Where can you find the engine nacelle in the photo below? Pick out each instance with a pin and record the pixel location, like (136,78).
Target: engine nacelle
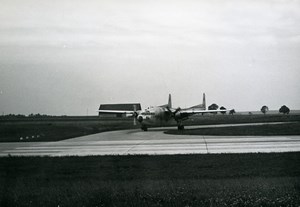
(181,116)
(140,119)
(177,115)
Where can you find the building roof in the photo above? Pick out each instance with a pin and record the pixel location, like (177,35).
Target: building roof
(121,107)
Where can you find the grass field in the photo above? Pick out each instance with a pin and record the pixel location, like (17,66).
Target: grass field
(179,180)
(59,128)
(260,130)
(54,129)
(237,119)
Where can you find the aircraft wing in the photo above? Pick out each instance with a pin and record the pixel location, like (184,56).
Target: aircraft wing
(192,111)
(116,111)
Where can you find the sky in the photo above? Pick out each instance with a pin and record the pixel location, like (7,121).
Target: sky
(66,57)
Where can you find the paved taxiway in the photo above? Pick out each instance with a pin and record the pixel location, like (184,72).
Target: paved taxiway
(153,141)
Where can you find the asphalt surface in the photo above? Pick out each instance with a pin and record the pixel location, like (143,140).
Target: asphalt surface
(152,142)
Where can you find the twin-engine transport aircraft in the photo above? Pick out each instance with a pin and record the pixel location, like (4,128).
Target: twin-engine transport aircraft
(160,115)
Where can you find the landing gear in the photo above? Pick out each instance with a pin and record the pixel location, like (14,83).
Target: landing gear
(180,127)
(144,128)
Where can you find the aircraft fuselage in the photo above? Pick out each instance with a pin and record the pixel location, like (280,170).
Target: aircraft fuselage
(161,115)
(153,116)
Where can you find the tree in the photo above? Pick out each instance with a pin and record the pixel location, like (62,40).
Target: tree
(264,109)
(223,108)
(284,109)
(213,107)
(232,111)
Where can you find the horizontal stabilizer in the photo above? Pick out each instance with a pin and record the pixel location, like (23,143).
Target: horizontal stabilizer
(200,106)
(169,105)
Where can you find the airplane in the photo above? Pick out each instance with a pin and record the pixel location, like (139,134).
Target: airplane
(160,115)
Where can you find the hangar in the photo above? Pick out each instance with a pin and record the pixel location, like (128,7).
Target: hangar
(118,107)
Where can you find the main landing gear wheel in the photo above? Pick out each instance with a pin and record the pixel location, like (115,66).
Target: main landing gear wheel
(180,127)
(144,128)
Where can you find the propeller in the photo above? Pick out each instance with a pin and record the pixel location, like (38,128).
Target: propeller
(178,109)
(135,114)
(173,113)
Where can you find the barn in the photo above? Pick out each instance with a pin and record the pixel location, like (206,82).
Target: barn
(118,107)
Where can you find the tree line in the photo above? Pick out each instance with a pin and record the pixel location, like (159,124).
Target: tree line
(264,109)
(283,109)
(23,116)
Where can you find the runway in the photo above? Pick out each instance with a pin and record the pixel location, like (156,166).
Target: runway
(152,142)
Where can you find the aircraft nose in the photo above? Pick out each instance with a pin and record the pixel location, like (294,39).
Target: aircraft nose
(140,119)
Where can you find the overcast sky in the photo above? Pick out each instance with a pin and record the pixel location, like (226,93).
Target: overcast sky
(66,56)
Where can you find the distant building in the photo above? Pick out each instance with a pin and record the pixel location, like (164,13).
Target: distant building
(118,107)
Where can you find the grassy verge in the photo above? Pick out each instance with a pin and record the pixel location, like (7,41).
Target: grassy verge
(180,180)
(58,129)
(260,130)
(237,119)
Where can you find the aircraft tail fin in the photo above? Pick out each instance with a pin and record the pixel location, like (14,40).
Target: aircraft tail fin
(169,104)
(170,101)
(204,101)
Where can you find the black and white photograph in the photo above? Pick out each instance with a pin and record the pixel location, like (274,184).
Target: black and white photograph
(149,103)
